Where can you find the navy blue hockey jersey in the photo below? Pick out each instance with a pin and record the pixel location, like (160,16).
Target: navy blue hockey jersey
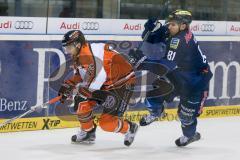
(184,57)
(185,51)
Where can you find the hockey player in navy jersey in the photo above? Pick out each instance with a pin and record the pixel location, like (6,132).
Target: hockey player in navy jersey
(188,71)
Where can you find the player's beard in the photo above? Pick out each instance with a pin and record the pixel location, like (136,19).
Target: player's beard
(75,55)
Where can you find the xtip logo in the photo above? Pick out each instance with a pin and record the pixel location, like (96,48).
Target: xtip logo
(48,123)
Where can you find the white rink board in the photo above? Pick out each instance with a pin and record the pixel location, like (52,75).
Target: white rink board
(23,25)
(104,37)
(220,141)
(100,26)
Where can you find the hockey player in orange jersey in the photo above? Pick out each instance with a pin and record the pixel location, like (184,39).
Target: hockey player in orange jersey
(98,68)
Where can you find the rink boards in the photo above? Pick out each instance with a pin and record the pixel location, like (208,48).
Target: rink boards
(46,123)
(27,62)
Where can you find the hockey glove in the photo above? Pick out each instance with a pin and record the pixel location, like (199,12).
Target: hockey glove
(65,91)
(153,25)
(150,24)
(136,57)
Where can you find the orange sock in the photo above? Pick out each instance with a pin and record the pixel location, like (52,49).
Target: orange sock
(87,126)
(112,123)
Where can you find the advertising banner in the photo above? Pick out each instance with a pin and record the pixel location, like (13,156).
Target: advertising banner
(233,28)
(71,121)
(97,26)
(124,26)
(93,26)
(23,25)
(208,27)
(30,74)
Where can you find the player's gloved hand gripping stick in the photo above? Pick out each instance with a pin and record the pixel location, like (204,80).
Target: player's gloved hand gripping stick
(136,57)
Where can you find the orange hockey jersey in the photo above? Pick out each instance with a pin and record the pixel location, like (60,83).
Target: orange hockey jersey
(98,68)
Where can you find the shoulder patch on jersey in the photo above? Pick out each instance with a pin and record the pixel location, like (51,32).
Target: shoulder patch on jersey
(174,43)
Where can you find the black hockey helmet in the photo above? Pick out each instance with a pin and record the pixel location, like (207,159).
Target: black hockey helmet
(73,37)
(181,16)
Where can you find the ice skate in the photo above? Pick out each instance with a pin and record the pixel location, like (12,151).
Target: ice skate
(183,141)
(148,119)
(130,135)
(85,137)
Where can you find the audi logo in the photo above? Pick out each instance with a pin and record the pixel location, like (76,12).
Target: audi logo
(90,26)
(23,25)
(207,27)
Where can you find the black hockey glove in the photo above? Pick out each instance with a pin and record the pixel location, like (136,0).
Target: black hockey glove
(136,57)
(150,24)
(65,91)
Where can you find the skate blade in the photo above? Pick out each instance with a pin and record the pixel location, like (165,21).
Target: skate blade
(84,142)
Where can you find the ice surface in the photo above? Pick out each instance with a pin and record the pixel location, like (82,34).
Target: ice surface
(220,141)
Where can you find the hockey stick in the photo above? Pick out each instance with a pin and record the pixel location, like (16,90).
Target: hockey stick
(33,108)
(121,81)
(158,25)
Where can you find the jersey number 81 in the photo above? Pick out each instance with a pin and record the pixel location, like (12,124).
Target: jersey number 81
(171,55)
